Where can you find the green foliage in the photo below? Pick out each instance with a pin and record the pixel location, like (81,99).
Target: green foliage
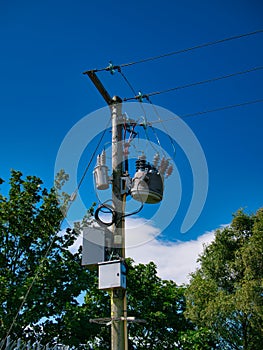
(40,281)
(39,276)
(73,326)
(161,303)
(225,294)
(197,339)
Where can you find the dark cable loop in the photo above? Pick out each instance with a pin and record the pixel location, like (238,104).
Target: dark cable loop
(110,209)
(113,213)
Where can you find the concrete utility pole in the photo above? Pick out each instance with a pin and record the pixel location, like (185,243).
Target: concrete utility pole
(119,335)
(118,296)
(112,267)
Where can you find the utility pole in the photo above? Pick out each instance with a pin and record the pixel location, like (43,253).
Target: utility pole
(146,187)
(118,296)
(119,336)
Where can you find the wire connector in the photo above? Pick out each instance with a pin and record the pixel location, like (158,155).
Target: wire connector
(140,96)
(111,68)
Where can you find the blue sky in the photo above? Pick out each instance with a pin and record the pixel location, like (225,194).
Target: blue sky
(46,45)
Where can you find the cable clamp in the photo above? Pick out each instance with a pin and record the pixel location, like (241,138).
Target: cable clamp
(140,96)
(111,68)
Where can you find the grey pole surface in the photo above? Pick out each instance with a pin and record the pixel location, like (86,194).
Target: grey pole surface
(118,296)
(119,334)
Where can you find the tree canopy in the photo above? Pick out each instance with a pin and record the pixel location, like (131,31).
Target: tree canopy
(159,303)
(41,281)
(39,276)
(225,293)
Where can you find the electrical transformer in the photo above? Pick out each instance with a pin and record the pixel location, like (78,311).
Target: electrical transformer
(147,183)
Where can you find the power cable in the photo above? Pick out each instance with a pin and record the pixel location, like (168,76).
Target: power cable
(109,209)
(143,110)
(93,155)
(192,48)
(164,126)
(39,268)
(40,265)
(209,111)
(132,89)
(127,81)
(193,84)
(106,209)
(145,118)
(200,46)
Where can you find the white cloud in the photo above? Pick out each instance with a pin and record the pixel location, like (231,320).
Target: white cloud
(74,248)
(174,261)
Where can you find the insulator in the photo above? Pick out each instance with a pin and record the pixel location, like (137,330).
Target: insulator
(164,165)
(73,196)
(103,158)
(98,159)
(156,159)
(169,170)
(142,157)
(141,162)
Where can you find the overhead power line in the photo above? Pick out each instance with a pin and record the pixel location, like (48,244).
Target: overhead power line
(211,43)
(208,111)
(141,96)
(177,52)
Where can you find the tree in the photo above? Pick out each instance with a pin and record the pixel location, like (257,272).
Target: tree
(197,339)
(225,293)
(39,276)
(159,302)
(40,281)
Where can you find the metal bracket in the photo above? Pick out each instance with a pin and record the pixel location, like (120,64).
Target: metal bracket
(125,184)
(108,321)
